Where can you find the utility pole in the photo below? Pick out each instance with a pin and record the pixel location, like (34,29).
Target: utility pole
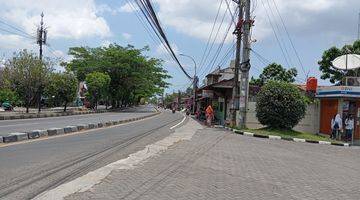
(236,89)
(41,40)
(245,65)
(358,34)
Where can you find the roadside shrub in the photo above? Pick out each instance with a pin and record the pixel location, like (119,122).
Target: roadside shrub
(8,95)
(280,105)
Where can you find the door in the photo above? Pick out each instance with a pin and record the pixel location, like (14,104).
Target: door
(328,109)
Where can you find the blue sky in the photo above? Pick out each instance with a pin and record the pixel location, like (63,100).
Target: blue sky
(314,25)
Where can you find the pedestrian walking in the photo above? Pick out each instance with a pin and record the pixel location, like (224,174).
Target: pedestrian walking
(349,127)
(209,112)
(336,125)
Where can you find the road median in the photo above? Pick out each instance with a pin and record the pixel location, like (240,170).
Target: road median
(35,134)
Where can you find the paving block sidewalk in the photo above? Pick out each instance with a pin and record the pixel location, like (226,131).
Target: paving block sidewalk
(218,164)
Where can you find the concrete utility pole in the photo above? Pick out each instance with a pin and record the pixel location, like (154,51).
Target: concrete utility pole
(245,65)
(236,89)
(41,36)
(358,34)
(41,40)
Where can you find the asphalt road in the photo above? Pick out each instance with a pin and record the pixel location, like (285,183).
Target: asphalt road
(30,168)
(23,125)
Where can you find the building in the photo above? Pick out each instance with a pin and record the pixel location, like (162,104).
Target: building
(217,91)
(343,100)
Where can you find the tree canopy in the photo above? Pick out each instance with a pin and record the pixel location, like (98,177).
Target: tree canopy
(274,72)
(62,88)
(334,75)
(26,74)
(133,75)
(98,86)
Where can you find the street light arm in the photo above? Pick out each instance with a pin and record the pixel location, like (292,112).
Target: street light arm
(191,59)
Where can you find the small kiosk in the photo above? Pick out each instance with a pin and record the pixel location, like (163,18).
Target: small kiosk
(343,99)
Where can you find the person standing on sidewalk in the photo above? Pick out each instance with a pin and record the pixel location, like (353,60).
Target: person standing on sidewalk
(349,127)
(209,115)
(336,125)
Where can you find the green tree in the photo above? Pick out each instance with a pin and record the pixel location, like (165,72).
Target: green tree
(62,88)
(133,75)
(280,105)
(334,75)
(27,75)
(98,86)
(274,72)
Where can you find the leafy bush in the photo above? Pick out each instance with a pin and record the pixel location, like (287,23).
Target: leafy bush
(280,105)
(8,95)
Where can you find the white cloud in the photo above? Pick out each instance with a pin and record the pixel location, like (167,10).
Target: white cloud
(127,36)
(128,8)
(308,17)
(161,50)
(15,42)
(64,19)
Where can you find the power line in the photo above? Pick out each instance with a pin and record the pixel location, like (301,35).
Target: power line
(149,13)
(211,32)
(280,35)
(232,16)
(213,61)
(146,27)
(288,35)
(275,34)
(227,54)
(18,29)
(14,33)
(266,62)
(213,42)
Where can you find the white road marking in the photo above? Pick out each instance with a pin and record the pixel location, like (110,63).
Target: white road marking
(90,179)
(176,125)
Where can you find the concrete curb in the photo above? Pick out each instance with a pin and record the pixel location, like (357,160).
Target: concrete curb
(44,115)
(55,131)
(70,129)
(37,133)
(275,137)
(34,134)
(20,136)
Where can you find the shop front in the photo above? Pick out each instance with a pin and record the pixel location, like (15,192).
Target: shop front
(343,100)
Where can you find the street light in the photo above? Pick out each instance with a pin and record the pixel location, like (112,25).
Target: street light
(194,81)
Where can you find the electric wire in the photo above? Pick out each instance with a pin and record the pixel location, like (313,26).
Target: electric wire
(279,34)
(18,29)
(211,32)
(275,34)
(220,46)
(290,39)
(14,33)
(147,28)
(213,42)
(149,13)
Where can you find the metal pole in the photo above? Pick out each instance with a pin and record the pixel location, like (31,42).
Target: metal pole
(195,80)
(245,65)
(236,90)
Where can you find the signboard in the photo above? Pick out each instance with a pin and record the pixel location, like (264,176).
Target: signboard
(208,93)
(338,91)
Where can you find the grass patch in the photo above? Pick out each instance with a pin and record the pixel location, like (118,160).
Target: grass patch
(291,134)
